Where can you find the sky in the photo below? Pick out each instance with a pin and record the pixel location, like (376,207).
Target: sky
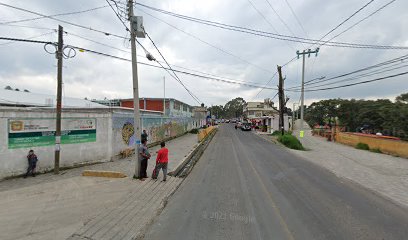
(235,56)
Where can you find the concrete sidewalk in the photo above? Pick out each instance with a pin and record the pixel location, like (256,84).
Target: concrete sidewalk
(382,173)
(57,206)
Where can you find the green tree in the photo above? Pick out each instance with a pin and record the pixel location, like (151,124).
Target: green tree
(234,108)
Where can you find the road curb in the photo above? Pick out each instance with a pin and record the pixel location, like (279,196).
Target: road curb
(199,148)
(107,174)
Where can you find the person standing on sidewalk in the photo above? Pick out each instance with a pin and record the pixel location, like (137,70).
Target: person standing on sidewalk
(144,135)
(162,161)
(143,155)
(32,163)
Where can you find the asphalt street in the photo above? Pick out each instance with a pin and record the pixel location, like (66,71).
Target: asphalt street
(245,187)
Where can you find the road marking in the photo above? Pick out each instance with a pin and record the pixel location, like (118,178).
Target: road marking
(274,206)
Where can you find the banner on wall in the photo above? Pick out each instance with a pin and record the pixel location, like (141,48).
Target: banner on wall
(25,133)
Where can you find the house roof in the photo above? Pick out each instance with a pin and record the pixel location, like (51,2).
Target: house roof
(20,98)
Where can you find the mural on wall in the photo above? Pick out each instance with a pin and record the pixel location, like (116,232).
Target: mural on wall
(128,132)
(158,128)
(35,132)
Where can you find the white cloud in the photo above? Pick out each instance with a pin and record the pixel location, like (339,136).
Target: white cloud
(94,76)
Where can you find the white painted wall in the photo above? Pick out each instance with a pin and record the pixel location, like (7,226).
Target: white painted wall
(14,162)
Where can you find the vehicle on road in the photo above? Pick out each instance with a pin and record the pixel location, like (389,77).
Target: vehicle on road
(246,127)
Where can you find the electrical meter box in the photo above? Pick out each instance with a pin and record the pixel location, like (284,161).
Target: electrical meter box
(137,24)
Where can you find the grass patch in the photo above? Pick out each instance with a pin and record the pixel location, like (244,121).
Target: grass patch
(376,150)
(362,146)
(279,133)
(291,142)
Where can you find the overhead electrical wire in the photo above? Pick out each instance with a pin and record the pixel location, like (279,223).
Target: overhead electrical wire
(69,33)
(297,19)
(358,83)
(175,75)
(391,61)
(81,49)
(268,34)
(207,43)
(26,39)
(266,20)
(363,19)
(63,21)
(347,19)
(54,15)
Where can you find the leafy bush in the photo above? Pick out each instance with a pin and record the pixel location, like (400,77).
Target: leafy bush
(362,146)
(376,150)
(290,141)
(194,131)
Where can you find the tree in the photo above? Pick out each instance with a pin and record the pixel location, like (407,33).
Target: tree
(234,108)
(403,98)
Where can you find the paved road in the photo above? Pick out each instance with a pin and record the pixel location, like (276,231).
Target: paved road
(244,187)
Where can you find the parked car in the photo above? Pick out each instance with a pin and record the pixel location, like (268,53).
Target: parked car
(227,121)
(246,127)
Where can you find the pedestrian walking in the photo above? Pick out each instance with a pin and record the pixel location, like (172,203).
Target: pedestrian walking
(143,156)
(32,163)
(144,135)
(162,161)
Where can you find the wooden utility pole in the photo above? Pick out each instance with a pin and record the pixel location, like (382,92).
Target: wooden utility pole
(59,56)
(281,101)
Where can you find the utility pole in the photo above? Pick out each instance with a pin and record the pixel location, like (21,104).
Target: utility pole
(308,52)
(164,95)
(136,106)
(59,56)
(281,101)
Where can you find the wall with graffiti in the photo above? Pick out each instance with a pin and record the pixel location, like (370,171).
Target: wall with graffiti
(157,128)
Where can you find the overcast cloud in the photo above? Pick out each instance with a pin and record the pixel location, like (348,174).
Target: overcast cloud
(28,66)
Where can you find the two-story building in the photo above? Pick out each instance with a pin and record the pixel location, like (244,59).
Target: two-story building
(169,106)
(257,110)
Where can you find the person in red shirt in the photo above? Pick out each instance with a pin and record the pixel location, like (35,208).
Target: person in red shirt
(161,161)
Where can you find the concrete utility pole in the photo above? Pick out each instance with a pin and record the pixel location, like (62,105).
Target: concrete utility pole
(308,52)
(136,107)
(281,101)
(59,56)
(164,95)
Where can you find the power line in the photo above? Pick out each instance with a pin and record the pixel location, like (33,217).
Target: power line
(388,62)
(359,76)
(348,18)
(178,71)
(266,20)
(25,26)
(205,42)
(63,21)
(363,19)
(29,38)
(55,15)
(117,15)
(280,18)
(125,51)
(175,75)
(25,40)
(269,34)
(297,19)
(358,83)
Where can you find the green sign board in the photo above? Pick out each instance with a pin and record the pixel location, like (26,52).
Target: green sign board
(26,133)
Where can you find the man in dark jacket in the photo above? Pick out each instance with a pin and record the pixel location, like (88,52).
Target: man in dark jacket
(32,163)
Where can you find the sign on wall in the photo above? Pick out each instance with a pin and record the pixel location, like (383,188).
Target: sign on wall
(25,133)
